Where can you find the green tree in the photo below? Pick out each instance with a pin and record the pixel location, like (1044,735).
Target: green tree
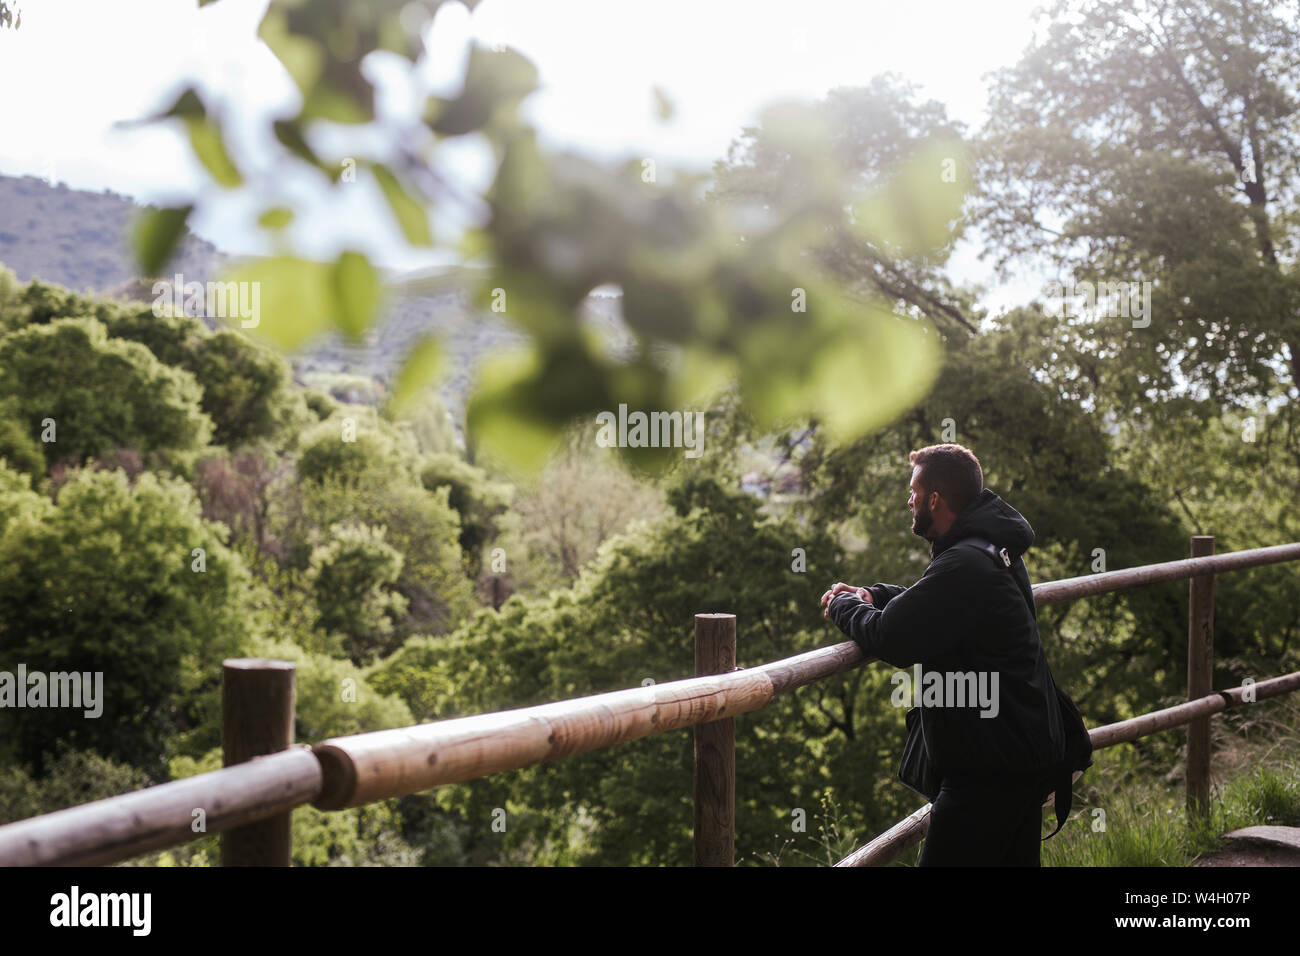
(321,404)
(1152,142)
(17,497)
(428,422)
(244,385)
(378,489)
(71,778)
(245,388)
(351,578)
(18,446)
(10,291)
(478,500)
(628,619)
(351,444)
(562,516)
(100,393)
(879,132)
(128,582)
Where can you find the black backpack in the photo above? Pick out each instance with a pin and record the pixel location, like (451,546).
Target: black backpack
(1058,780)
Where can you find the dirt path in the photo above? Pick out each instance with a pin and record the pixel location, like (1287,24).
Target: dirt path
(1257,846)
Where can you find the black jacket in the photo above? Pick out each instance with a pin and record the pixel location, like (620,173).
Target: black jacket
(969,613)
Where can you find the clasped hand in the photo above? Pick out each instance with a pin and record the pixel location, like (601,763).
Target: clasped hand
(840,588)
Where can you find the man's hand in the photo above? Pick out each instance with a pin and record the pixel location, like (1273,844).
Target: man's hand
(840,588)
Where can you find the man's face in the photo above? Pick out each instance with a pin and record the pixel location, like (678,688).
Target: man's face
(919,502)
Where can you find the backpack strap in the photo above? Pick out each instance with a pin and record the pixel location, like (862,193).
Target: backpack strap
(1063,799)
(1002,558)
(999,556)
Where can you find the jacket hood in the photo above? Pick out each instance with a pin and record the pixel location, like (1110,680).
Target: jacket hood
(991,518)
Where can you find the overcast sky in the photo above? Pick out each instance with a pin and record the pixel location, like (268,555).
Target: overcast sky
(76,67)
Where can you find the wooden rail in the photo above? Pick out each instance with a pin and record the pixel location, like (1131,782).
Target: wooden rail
(257,708)
(715,749)
(120,828)
(362,768)
(909,831)
(372,766)
(1070,589)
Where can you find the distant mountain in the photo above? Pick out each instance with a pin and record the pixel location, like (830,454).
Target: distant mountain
(79,239)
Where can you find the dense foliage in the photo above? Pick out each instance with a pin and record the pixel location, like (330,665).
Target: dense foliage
(170,496)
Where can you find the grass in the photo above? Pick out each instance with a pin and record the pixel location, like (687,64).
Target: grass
(832,842)
(1150,826)
(1128,812)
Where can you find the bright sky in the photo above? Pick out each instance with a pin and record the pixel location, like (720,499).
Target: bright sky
(78,66)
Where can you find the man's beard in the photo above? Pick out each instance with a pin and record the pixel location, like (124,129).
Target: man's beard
(923,520)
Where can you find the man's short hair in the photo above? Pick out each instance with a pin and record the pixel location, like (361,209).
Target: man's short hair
(951,470)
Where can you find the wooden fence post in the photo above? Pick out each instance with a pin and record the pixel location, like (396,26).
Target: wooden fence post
(1200,676)
(715,749)
(257,709)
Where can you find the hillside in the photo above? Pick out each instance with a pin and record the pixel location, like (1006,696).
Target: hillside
(78,239)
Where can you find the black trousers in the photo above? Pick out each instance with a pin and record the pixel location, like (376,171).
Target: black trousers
(984,821)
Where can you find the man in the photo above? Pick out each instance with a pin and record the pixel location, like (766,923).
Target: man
(969,614)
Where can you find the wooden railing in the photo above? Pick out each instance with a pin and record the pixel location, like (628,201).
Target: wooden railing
(250,801)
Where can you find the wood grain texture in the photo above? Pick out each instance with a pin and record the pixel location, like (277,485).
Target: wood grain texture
(1200,678)
(119,828)
(1070,589)
(257,711)
(714,789)
(388,763)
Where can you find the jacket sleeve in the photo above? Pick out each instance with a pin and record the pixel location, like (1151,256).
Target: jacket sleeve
(919,623)
(882,594)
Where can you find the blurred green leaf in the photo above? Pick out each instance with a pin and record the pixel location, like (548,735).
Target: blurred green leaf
(297,299)
(500,419)
(329,102)
(186,106)
(422,365)
(492,79)
(356,293)
(410,215)
(156,236)
(805,136)
(700,374)
(393,35)
(277,217)
(402,27)
(861,382)
(205,138)
(663,105)
(915,210)
(301,57)
(707,297)
(522,185)
(474,244)
(290,135)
